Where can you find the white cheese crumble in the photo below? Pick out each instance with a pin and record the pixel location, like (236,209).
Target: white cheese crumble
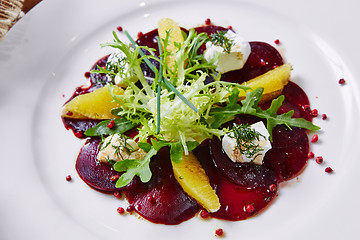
(119,58)
(117,148)
(230,145)
(224,61)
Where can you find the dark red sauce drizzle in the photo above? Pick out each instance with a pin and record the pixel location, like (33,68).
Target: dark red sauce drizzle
(240,187)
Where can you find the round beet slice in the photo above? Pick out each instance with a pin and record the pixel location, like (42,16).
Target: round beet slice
(96,175)
(288,162)
(161,200)
(297,100)
(209,29)
(237,202)
(263,57)
(79,126)
(247,175)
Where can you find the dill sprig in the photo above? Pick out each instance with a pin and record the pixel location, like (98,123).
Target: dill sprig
(221,40)
(247,139)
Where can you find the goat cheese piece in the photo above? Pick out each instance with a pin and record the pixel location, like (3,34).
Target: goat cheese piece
(117,148)
(224,61)
(118,58)
(230,146)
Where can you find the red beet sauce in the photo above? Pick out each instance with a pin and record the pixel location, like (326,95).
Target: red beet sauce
(243,189)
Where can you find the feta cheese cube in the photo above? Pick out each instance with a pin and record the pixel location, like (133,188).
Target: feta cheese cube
(224,61)
(230,146)
(116,148)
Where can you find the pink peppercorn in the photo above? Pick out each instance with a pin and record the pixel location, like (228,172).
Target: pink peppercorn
(120,210)
(68,178)
(114,178)
(219,232)
(249,208)
(120,29)
(306,107)
(111,124)
(329,170)
(324,116)
(152,200)
(314,113)
(130,208)
(342,81)
(319,160)
(208,21)
(314,138)
(204,214)
(311,155)
(277,41)
(117,194)
(272,188)
(87,74)
(79,134)
(138,207)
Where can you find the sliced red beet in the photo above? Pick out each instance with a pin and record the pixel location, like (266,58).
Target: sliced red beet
(209,29)
(162,199)
(96,175)
(79,125)
(247,175)
(288,156)
(234,198)
(296,99)
(149,39)
(288,162)
(263,57)
(284,137)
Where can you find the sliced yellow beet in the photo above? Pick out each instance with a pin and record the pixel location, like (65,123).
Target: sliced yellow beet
(194,181)
(175,36)
(93,105)
(272,81)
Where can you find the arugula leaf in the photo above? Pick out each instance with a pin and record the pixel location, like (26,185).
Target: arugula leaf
(141,168)
(145,146)
(134,167)
(121,125)
(176,148)
(224,114)
(249,106)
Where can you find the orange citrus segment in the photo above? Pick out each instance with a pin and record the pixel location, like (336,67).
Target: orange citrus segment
(93,105)
(194,181)
(168,25)
(272,81)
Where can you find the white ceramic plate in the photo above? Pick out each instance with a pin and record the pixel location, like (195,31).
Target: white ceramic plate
(43,58)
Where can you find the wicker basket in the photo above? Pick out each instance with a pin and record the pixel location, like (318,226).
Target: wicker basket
(10,12)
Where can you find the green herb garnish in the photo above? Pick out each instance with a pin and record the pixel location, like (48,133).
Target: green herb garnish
(221,40)
(250,106)
(247,139)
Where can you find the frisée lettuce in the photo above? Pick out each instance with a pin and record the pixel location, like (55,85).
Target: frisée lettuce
(181,106)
